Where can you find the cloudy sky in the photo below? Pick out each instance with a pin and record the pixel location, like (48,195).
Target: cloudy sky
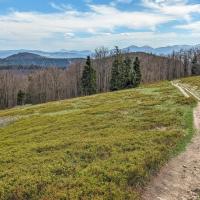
(87,24)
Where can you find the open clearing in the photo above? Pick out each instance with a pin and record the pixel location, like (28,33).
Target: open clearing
(180,178)
(105,146)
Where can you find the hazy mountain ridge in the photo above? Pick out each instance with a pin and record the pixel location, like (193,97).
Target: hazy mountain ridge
(57,54)
(160,50)
(29,59)
(83,54)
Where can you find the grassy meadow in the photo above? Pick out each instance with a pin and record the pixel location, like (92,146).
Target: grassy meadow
(193,84)
(101,147)
(193,81)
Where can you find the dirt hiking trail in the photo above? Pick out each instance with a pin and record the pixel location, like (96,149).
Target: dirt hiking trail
(180,178)
(5,121)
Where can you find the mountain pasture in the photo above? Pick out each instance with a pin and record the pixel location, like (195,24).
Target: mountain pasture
(104,146)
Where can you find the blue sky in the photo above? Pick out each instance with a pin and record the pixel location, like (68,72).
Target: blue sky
(88,24)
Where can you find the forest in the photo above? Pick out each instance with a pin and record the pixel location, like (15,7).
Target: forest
(40,85)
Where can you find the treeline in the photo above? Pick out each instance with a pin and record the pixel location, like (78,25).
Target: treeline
(190,59)
(20,67)
(10,84)
(111,70)
(124,74)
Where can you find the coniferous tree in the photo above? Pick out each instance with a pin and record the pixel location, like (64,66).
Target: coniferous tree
(88,80)
(21,97)
(194,61)
(124,74)
(195,66)
(121,78)
(127,73)
(116,79)
(138,75)
(114,82)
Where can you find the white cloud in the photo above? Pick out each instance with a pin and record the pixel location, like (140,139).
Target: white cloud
(115,2)
(108,39)
(176,8)
(127,39)
(101,18)
(192,27)
(61,7)
(100,22)
(138,38)
(69,35)
(124,1)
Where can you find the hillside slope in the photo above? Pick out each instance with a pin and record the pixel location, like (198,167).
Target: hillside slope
(99,147)
(192,81)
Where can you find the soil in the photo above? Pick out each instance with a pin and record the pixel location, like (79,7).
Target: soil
(6,121)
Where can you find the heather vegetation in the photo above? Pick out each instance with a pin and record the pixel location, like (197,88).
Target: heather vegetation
(193,81)
(104,146)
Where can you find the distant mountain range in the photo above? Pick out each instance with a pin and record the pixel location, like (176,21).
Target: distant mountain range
(30,60)
(160,50)
(57,54)
(83,54)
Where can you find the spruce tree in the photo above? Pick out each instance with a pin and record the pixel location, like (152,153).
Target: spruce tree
(116,78)
(127,73)
(114,82)
(194,60)
(195,66)
(138,75)
(88,80)
(21,97)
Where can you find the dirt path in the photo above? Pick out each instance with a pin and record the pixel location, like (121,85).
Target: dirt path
(180,178)
(5,121)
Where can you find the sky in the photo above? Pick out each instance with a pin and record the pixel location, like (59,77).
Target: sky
(87,24)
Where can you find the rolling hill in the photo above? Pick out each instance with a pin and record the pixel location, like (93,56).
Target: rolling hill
(56,54)
(105,146)
(29,59)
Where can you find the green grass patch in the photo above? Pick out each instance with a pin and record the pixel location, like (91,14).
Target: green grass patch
(193,81)
(105,146)
(190,131)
